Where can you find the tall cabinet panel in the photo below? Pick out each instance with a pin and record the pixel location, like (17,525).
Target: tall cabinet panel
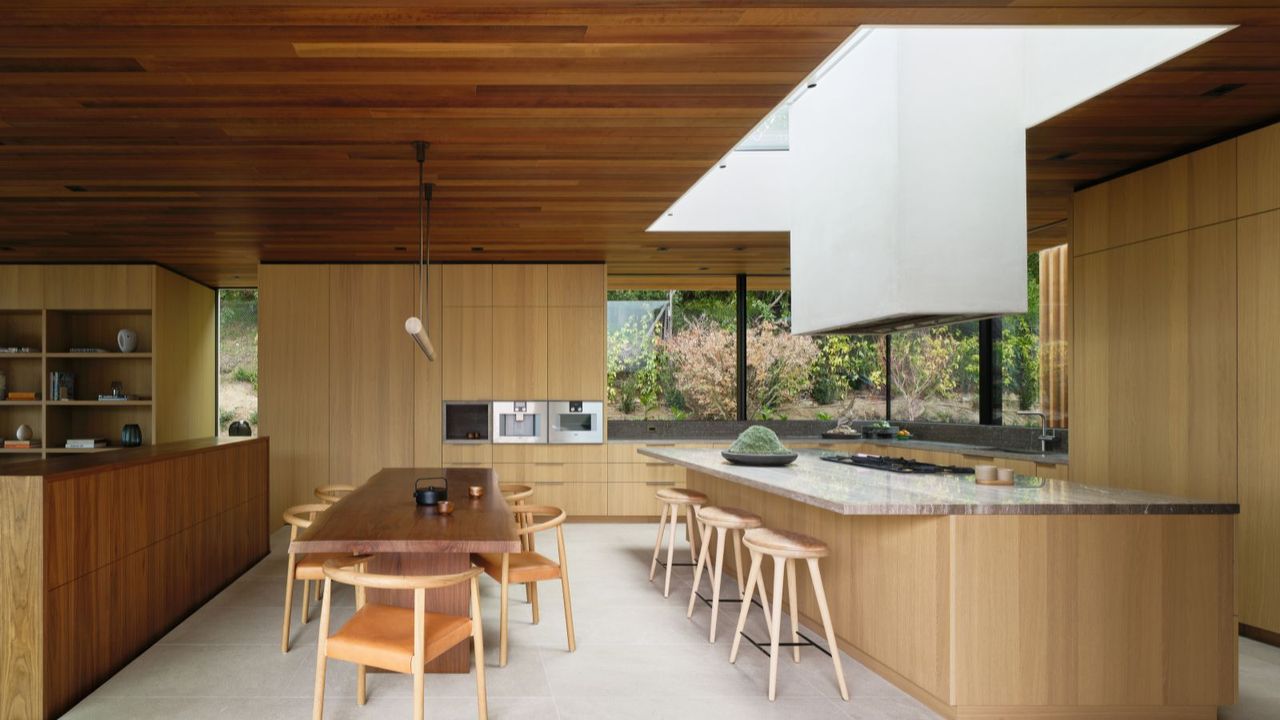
(576,341)
(371,370)
(186,358)
(293,394)
(467,354)
(1259,296)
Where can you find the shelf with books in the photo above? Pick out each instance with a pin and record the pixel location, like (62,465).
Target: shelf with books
(21,403)
(67,329)
(22,329)
(98,355)
(67,450)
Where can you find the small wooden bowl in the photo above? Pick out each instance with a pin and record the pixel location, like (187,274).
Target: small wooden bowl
(476,491)
(444,507)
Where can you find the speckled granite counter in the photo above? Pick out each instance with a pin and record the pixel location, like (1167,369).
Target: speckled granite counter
(850,490)
(885,446)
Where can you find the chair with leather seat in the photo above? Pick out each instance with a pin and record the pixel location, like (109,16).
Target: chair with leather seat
(785,548)
(307,568)
(675,501)
(516,495)
(528,566)
(396,639)
(331,494)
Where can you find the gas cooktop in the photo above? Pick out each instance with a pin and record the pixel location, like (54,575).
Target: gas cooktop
(898,465)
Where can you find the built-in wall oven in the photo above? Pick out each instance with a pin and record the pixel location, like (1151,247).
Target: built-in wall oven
(519,421)
(466,422)
(576,421)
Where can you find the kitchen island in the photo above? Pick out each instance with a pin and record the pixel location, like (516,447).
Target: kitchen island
(1048,599)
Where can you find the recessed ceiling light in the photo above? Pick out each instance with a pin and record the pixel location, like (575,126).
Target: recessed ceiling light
(1064,155)
(740,248)
(723,167)
(1223,89)
(670,214)
(661,249)
(76,188)
(811,86)
(477,248)
(5,248)
(703,269)
(401,248)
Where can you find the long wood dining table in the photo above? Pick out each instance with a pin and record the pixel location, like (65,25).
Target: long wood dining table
(382,518)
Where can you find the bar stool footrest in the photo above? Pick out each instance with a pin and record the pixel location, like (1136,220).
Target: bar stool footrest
(805,641)
(676,564)
(707,601)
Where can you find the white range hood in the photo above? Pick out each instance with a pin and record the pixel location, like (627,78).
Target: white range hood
(905,173)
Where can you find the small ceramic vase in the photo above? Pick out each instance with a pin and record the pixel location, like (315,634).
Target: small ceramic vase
(24,432)
(127,340)
(131,435)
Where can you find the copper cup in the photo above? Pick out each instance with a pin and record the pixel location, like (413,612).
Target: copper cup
(444,507)
(476,491)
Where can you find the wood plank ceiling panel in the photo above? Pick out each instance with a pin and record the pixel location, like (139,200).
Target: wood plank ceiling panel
(210,135)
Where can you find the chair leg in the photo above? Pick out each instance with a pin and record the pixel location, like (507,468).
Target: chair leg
(815,576)
(288,607)
(779,566)
(317,709)
(715,583)
(753,581)
(688,523)
(671,552)
(737,559)
(306,601)
(502,611)
(791,607)
(361,696)
(657,545)
(419,689)
(704,531)
(537,617)
(477,637)
(568,613)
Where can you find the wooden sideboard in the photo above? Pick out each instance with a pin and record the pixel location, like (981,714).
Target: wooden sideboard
(101,555)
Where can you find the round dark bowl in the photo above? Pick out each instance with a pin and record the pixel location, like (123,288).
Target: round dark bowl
(758,459)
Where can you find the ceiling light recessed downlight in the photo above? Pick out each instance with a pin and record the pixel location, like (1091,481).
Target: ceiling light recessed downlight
(1222,89)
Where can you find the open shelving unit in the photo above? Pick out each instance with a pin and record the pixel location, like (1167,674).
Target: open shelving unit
(51,334)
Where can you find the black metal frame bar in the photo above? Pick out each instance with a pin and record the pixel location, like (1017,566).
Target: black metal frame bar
(741,332)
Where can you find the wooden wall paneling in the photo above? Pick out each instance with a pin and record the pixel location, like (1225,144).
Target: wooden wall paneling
(1259,171)
(184,359)
(109,287)
(1211,184)
(371,370)
(576,285)
(468,285)
(576,339)
(294,387)
(1054,333)
(1090,220)
(1259,343)
(520,353)
(428,379)
(21,287)
(22,603)
(468,455)
(519,285)
(1153,349)
(467,354)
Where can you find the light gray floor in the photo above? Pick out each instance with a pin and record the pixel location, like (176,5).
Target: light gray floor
(638,657)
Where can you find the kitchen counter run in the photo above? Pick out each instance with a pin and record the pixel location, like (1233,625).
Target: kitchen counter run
(850,490)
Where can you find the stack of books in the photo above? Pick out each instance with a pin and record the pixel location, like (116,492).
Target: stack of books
(21,444)
(86,443)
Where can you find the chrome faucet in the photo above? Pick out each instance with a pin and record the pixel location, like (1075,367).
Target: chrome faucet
(1047,434)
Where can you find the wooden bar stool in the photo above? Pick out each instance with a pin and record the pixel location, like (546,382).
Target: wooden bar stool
(307,568)
(785,548)
(333,493)
(731,521)
(395,638)
(674,501)
(530,567)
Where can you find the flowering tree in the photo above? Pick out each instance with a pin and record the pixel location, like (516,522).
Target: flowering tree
(702,357)
(922,366)
(778,368)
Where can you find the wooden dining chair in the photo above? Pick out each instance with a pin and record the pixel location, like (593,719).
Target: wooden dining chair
(528,566)
(331,494)
(395,638)
(516,495)
(307,568)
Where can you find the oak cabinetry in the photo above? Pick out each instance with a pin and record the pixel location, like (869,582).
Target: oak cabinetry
(576,285)
(467,455)
(22,287)
(519,285)
(576,340)
(1259,171)
(467,285)
(579,500)
(99,287)
(519,353)
(467,353)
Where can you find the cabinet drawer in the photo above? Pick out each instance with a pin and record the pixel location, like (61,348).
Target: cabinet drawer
(647,472)
(629,452)
(480,455)
(550,472)
(636,499)
(579,499)
(515,453)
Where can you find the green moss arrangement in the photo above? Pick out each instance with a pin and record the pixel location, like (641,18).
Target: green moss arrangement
(759,440)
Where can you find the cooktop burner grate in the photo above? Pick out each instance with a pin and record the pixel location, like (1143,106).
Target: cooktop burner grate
(898,465)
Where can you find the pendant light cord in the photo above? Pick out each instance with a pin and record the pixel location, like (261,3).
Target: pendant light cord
(424,218)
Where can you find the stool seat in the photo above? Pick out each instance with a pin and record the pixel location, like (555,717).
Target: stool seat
(729,518)
(784,543)
(681,496)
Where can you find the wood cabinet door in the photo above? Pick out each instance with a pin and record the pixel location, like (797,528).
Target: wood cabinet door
(98,287)
(467,286)
(520,353)
(576,499)
(519,285)
(467,353)
(576,285)
(576,347)
(21,287)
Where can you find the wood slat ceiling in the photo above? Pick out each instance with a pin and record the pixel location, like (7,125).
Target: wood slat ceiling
(209,134)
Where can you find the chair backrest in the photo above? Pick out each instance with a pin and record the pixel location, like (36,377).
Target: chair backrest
(300,517)
(529,512)
(515,493)
(339,570)
(333,493)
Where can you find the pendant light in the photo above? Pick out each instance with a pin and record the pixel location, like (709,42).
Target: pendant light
(416,325)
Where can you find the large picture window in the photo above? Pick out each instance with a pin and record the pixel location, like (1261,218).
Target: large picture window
(674,355)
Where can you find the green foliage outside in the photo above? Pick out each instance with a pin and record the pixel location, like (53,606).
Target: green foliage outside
(237,358)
